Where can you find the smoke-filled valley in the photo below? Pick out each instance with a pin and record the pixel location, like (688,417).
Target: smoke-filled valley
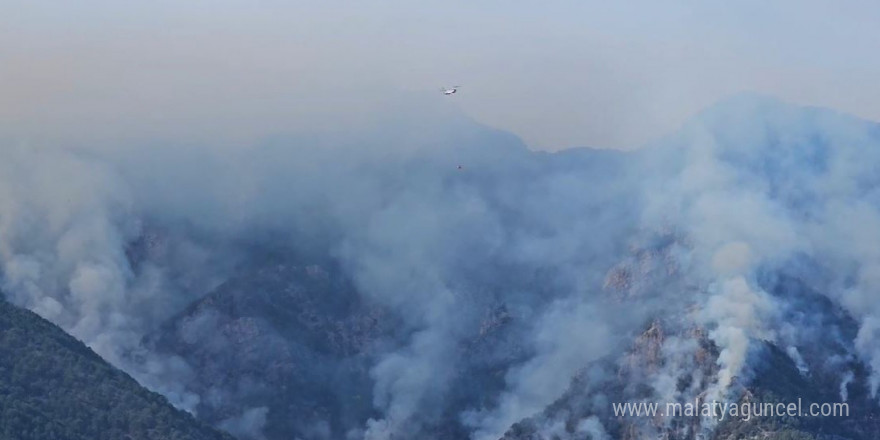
(429,277)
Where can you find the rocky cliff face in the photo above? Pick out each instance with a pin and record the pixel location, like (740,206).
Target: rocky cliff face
(292,341)
(824,371)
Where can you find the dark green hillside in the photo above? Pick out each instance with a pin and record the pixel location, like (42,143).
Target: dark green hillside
(54,387)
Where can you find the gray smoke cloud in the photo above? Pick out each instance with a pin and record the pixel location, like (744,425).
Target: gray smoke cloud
(752,185)
(390,203)
(568,336)
(747,185)
(760,183)
(249,425)
(67,223)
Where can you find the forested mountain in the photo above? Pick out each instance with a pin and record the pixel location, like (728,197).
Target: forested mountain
(54,387)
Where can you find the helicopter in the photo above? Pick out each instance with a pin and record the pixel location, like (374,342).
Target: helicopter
(450,90)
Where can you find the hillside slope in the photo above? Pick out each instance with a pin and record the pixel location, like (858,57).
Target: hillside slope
(54,387)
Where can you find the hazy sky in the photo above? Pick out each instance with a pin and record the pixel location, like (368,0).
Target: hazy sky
(557,73)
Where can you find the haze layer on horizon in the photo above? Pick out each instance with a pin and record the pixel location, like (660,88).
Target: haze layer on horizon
(558,74)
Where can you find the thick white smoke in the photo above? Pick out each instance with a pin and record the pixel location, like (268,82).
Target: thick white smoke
(748,185)
(754,185)
(65,222)
(759,183)
(391,204)
(569,336)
